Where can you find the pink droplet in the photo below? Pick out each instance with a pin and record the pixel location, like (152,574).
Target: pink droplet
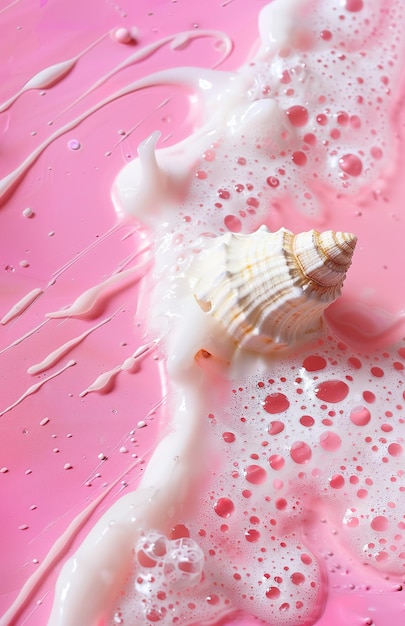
(307,420)
(337,481)
(299,157)
(224,507)
(223,194)
(314,363)
(379,523)
(360,416)
(272,181)
(351,164)
(330,441)
(342,118)
(272,593)
(326,35)
(297,578)
(209,155)
(276,403)
(395,449)
(306,559)
(378,372)
(355,121)
(252,535)
(255,474)
(376,153)
(300,452)
(179,531)
(228,437)
(276,461)
(354,5)
(281,504)
(355,362)
(352,522)
(233,223)
(332,391)
(275,427)
(369,396)
(310,139)
(297,115)
(322,119)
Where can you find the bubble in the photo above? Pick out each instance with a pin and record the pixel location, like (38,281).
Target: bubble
(179,531)
(233,223)
(276,461)
(252,535)
(123,35)
(212,599)
(353,5)
(223,194)
(369,396)
(209,155)
(74,144)
(297,115)
(276,403)
(351,164)
(326,35)
(314,363)
(273,593)
(332,391)
(183,564)
(272,181)
(322,119)
(275,427)
(360,416)
(307,420)
(281,504)
(255,474)
(300,452)
(297,578)
(337,481)
(306,559)
(224,507)
(330,441)
(155,614)
(395,449)
(150,549)
(299,158)
(379,523)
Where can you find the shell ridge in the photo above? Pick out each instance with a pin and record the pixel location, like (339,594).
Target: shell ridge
(269,290)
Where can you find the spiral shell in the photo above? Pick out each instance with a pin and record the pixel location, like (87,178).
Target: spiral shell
(269,290)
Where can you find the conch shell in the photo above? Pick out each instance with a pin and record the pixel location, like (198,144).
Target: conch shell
(269,290)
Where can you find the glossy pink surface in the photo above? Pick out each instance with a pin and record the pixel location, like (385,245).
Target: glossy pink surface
(59,449)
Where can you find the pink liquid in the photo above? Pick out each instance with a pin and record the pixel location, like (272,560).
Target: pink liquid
(59,448)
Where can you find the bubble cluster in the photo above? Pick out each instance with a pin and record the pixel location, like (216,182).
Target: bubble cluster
(249,544)
(167,572)
(315,123)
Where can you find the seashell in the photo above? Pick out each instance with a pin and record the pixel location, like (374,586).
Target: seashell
(269,290)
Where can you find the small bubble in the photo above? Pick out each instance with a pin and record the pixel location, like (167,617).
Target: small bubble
(74,144)
(123,35)
(351,164)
